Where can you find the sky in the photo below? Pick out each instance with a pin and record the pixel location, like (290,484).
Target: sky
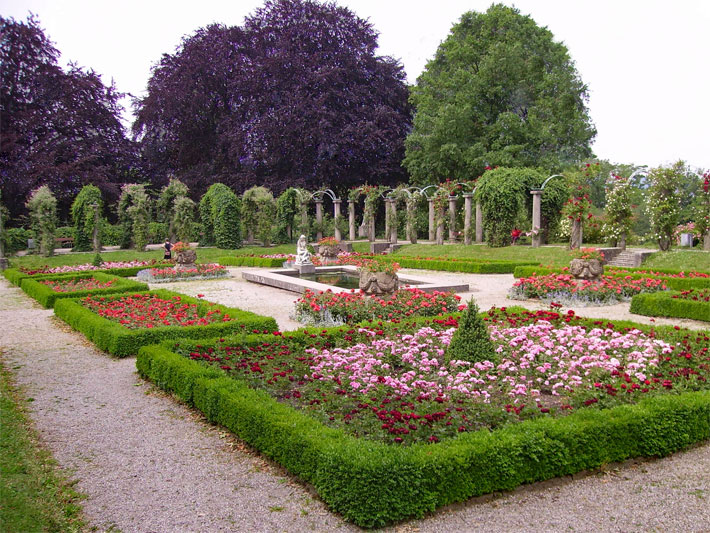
(645,62)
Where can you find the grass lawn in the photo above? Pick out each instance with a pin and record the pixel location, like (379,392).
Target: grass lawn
(34,496)
(556,256)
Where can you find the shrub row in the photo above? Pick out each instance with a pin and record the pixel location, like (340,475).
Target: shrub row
(46,296)
(474,267)
(678,284)
(372,484)
(118,340)
(663,304)
(15,276)
(248,260)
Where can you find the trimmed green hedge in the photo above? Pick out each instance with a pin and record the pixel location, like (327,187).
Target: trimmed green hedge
(373,484)
(246,260)
(678,284)
(663,304)
(118,340)
(16,276)
(46,296)
(470,266)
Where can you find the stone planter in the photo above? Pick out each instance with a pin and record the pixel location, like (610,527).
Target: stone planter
(185,260)
(590,269)
(329,252)
(378,282)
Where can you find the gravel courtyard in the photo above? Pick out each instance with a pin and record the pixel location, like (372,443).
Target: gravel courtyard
(149,464)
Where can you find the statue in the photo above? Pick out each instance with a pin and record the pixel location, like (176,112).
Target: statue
(303,256)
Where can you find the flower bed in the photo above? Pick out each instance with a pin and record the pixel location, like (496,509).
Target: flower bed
(566,289)
(693,304)
(48,289)
(122,324)
(201,271)
(352,307)
(280,393)
(116,268)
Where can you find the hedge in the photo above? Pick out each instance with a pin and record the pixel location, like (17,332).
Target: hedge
(46,296)
(663,304)
(678,284)
(15,276)
(249,260)
(373,484)
(118,340)
(470,266)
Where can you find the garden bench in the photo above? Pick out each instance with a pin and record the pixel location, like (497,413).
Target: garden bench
(64,242)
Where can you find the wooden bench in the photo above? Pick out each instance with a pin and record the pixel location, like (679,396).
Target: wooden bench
(64,242)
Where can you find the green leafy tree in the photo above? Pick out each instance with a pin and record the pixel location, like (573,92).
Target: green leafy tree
(663,203)
(619,211)
(134,216)
(287,212)
(500,91)
(166,205)
(220,213)
(258,213)
(183,220)
(83,213)
(471,341)
(42,206)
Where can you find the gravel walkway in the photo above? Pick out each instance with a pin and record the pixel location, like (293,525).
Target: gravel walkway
(148,464)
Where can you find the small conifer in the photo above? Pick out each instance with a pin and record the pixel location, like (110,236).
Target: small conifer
(471,341)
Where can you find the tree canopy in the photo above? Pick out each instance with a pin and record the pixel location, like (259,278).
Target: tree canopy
(58,128)
(499,92)
(294,97)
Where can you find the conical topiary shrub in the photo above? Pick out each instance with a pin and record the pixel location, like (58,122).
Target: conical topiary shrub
(471,341)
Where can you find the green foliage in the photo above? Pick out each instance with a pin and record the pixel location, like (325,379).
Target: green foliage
(415,480)
(112,337)
(220,214)
(258,213)
(111,234)
(98,260)
(248,260)
(471,341)
(183,221)
(472,265)
(663,304)
(42,205)
(83,213)
(15,239)
(287,212)
(664,202)
(176,210)
(134,216)
(618,209)
(702,206)
(157,231)
(500,91)
(47,297)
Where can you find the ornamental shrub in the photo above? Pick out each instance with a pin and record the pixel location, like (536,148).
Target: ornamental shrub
(134,216)
(471,341)
(174,195)
(42,205)
(618,210)
(83,214)
(183,221)
(258,213)
(220,214)
(663,204)
(287,211)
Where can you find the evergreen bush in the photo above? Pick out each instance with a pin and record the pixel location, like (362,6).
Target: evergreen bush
(42,205)
(220,213)
(84,217)
(471,341)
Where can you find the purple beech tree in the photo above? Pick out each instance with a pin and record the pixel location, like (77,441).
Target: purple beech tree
(295,97)
(57,128)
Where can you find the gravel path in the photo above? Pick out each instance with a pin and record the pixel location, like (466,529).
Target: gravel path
(148,464)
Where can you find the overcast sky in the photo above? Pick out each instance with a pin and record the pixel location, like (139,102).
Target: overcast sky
(646,62)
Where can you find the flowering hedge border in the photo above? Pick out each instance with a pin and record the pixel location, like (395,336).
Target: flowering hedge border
(47,297)
(15,276)
(678,284)
(120,341)
(246,260)
(663,304)
(373,484)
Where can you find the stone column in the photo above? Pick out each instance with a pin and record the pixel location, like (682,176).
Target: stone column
(440,227)
(467,218)
(95,236)
(336,218)
(452,218)
(319,219)
(351,220)
(479,223)
(431,219)
(536,237)
(388,206)
(393,227)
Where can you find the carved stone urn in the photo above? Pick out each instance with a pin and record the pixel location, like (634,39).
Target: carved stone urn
(186,259)
(590,269)
(328,252)
(376,283)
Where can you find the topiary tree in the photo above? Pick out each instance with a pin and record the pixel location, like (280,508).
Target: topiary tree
(471,341)
(42,205)
(619,211)
(258,213)
(287,211)
(663,204)
(183,220)
(134,216)
(220,214)
(83,213)
(165,205)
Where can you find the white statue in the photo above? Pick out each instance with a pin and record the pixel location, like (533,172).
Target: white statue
(303,256)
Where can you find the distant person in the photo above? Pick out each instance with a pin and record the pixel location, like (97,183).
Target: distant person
(515,235)
(168,249)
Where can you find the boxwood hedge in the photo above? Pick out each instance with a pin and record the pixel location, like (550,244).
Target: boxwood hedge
(118,340)
(663,304)
(46,296)
(249,260)
(373,484)
(15,276)
(470,266)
